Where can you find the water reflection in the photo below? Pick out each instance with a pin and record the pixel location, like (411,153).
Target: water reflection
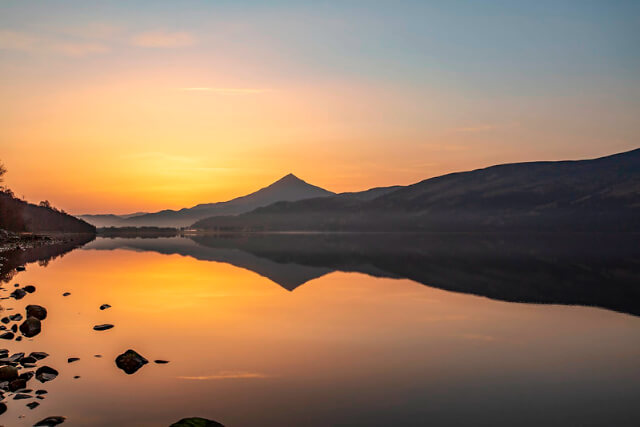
(600,270)
(344,349)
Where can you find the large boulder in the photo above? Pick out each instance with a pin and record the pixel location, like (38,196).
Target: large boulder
(36,311)
(46,373)
(8,373)
(30,327)
(130,361)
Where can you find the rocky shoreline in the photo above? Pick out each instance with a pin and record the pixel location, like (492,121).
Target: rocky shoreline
(11,241)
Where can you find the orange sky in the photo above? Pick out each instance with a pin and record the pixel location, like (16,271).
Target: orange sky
(104,111)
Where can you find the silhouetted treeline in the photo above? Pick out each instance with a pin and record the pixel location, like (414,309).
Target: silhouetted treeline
(20,216)
(144,232)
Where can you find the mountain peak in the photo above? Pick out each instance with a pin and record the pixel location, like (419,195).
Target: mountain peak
(289,179)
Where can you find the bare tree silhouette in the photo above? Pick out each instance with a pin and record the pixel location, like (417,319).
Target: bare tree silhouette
(3,170)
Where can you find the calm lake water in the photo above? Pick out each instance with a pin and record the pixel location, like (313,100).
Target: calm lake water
(340,331)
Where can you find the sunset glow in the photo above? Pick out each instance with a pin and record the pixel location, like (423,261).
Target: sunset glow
(133,107)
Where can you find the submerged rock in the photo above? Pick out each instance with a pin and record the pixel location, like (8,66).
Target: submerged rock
(196,422)
(30,288)
(161,362)
(21,396)
(39,392)
(27,359)
(30,327)
(7,336)
(103,327)
(38,355)
(3,408)
(66,294)
(37,311)
(16,317)
(130,361)
(32,405)
(50,422)
(104,306)
(20,268)
(8,373)
(17,384)
(18,294)
(5,319)
(46,373)
(72,359)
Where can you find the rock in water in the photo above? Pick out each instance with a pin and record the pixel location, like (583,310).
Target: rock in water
(130,361)
(46,373)
(104,306)
(16,317)
(38,355)
(17,384)
(102,327)
(18,294)
(66,294)
(50,422)
(3,408)
(20,268)
(30,327)
(72,359)
(37,311)
(30,288)
(22,396)
(8,373)
(161,362)
(196,422)
(33,405)
(7,336)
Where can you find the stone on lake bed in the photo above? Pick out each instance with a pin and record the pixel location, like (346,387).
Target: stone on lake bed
(104,306)
(103,327)
(161,362)
(46,373)
(5,319)
(33,405)
(30,288)
(72,359)
(130,361)
(39,392)
(50,422)
(21,396)
(37,311)
(14,328)
(17,384)
(18,294)
(66,294)
(7,336)
(16,317)
(196,422)
(3,408)
(8,373)
(20,268)
(30,327)
(38,355)
(28,359)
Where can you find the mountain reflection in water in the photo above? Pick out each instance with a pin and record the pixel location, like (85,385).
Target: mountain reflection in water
(592,269)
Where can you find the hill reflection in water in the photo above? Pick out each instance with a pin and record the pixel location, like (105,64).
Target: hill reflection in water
(593,269)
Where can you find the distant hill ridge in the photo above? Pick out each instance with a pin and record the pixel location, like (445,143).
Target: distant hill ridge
(581,195)
(287,188)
